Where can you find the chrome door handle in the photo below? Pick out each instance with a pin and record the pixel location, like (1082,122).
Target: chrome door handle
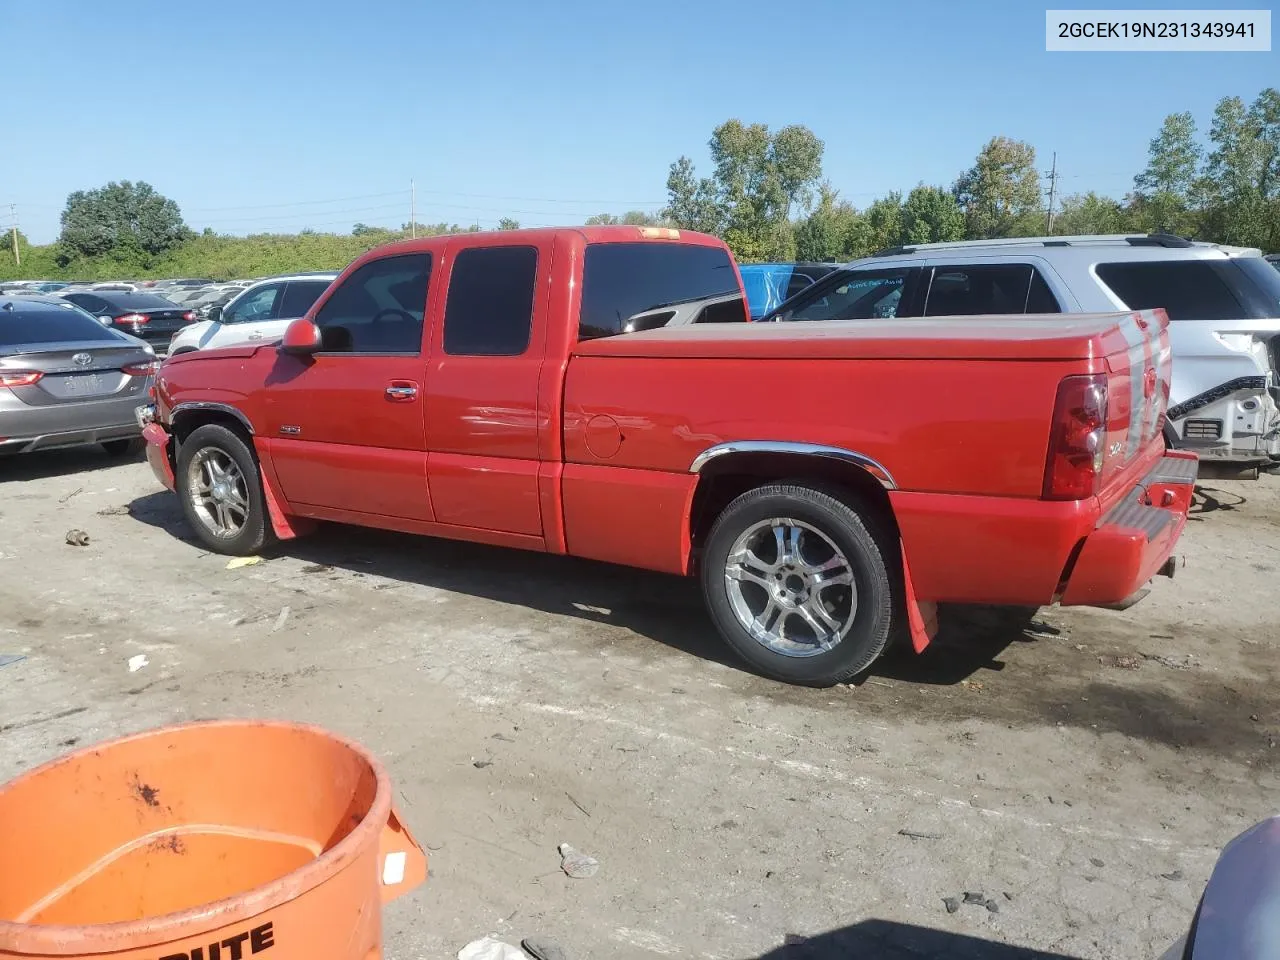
(254,336)
(401,392)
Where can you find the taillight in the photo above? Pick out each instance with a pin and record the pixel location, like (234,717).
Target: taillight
(19,378)
(134,318)
(1074,466)
(140,369)
(189,316)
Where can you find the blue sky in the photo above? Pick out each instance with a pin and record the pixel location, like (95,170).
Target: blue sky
(279,115)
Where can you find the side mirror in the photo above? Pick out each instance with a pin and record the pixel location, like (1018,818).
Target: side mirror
(215,314)
(301,338)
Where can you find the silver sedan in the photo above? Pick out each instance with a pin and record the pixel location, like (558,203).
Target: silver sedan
(67,380)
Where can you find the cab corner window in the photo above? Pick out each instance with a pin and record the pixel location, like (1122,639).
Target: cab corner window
(489,311)
(379,308)
(627,286)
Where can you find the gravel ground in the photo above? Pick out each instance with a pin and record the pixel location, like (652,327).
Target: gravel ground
(1078,768)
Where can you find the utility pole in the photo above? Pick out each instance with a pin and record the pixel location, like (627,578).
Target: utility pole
(413,210)
(1053,190)
(17,257)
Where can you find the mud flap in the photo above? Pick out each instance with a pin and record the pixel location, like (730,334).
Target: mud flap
(922,618)
(283,526)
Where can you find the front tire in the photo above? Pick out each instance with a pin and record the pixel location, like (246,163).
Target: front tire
(797,584)
(221,491)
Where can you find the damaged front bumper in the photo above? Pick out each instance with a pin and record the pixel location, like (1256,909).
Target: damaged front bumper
(159,445)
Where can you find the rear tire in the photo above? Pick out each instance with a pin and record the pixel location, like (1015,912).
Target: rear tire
(124,448)
(797,584)
(220,488)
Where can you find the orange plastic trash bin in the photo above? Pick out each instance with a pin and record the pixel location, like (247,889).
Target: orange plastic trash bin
(209,841)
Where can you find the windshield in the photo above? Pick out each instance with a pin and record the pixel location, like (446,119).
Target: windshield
(138,301)
(45,324)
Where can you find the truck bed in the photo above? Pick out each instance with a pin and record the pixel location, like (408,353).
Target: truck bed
(1018,337)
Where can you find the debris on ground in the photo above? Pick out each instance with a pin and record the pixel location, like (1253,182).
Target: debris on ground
(280,620)
(1123,662)
(543,949)
(918,835)
(481,764)
(120,511)
(992,906)
(137,662)
(975,898)
(1096,862)
(8,658)
(1040,630)
(951,903)
(1008,896)
(490,948)
(77,538)
(1175,875)
(572,800)
(1184,662)
(577,865)
(66,497)
(235,563)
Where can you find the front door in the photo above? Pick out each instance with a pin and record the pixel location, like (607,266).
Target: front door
(244,319)
(345,426)
(482,396)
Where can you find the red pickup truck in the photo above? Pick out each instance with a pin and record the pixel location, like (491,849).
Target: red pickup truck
(828,482)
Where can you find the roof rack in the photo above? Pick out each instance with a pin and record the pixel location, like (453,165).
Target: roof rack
(1136,240)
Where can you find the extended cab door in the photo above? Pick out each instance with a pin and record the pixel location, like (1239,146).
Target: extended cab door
(345,426)
(482,384)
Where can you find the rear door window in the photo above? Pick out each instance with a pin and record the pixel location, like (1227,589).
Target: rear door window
(299,297)
(489,312)
(621,280)
(973,290)
(859,295)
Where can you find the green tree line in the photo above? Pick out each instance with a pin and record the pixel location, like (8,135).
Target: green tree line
(766,196)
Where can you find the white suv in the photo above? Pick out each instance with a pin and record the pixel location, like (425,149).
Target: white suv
(1223,304)
(260,313)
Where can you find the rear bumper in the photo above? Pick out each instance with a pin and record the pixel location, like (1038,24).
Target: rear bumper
(70,438)
(1134,539)
(1004,550)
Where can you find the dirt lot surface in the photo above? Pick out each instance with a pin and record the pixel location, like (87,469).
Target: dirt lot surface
(1079,768)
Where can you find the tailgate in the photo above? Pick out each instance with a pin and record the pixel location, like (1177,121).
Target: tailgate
(1139,364)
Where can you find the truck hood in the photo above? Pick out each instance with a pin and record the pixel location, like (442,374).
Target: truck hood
(238,350)
(1047,337)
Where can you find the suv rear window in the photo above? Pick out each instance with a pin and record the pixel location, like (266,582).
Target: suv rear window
(1231,289)
(50,325)
(620,280)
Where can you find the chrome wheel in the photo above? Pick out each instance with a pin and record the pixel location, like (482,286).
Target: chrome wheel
(218,492)
(791,587)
